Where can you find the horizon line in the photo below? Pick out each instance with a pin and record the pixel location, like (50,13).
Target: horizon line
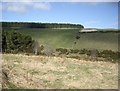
(58,23)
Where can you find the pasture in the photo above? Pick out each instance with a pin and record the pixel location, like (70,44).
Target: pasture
(63,72)
(65,38)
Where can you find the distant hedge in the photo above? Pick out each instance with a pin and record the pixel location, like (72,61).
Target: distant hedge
(14,42)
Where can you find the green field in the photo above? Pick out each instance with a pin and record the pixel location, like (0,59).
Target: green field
(65,38)
(63,71)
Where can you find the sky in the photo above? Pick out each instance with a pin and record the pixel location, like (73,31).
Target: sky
(89,14)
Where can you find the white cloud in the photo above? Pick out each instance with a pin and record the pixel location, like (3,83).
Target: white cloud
(94,3)
(15,7)
(42,6)
(23,7)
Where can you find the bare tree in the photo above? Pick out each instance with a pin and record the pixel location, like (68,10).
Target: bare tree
(36,47)
(77,37)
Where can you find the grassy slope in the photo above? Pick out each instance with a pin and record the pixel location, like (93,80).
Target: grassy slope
(42,72)
(66,37)
(55,72)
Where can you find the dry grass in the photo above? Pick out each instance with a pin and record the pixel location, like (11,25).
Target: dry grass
(41,72)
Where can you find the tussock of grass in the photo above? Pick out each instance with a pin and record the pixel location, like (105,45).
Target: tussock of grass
(59,72)
(12,86)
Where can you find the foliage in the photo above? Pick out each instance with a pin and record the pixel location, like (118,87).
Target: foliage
(108,54)
(14,42)
(39,25)
(74,50)
(65,38)
(77,37)
(62,50)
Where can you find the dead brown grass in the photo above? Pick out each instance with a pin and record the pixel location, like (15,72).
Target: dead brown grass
(40,72)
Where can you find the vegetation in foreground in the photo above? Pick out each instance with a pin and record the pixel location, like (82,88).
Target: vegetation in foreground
(43,72)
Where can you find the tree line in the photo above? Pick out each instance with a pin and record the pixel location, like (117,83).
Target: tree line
(39,25)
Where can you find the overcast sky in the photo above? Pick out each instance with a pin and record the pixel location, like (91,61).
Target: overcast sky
(92,14)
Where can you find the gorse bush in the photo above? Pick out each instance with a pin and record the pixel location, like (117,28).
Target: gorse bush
(14,42)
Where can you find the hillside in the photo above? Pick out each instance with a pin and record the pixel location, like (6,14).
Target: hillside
(69,59)
(66,38)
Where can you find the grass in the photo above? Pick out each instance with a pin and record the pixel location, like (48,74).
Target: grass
(12,86)
(59,72)
(73,71)
(65,38)
(33,72)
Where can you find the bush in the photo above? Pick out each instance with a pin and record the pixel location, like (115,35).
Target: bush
(14,42)
(84,51)
(109,54)
(62,50)
(74,50)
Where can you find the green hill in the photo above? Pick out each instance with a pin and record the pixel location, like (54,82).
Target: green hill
(66,38)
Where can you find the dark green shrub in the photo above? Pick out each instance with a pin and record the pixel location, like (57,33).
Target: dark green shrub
(109,54)
(74,50)
(62,50)
(84,51)
(14,42)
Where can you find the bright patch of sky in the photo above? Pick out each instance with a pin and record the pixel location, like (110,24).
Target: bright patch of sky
(89,14)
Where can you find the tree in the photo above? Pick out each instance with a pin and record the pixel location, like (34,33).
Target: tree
(4,44)
(14,42)
(36,47)
(39,25)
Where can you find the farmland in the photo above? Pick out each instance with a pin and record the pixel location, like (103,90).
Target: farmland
(59,45)
(65,38)
(74,70)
